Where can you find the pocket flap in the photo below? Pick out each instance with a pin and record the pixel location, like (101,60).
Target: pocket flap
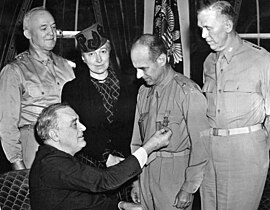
(248,87)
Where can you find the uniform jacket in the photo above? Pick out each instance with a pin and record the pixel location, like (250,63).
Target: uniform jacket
(237,85)
(27,85)
(176,103)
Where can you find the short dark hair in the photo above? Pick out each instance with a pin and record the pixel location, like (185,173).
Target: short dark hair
(221,7)
(47,120)
(155,45)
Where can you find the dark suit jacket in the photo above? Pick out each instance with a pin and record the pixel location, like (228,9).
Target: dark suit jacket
(101,136)
(59,181)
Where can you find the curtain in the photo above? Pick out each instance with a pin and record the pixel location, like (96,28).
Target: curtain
(123,20)
(11,41)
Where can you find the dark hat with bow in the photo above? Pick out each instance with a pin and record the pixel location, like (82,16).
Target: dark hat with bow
(91,38)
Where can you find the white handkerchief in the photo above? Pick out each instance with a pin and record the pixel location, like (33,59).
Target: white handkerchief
(113,160)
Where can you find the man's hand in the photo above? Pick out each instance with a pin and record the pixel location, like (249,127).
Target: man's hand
(18,165)
(135,192)
(158,140)
(183,199)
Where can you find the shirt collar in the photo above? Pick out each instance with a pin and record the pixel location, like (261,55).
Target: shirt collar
(232,48)
(44,59)
(169,76)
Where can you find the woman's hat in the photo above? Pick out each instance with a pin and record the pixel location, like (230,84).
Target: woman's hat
(91,38)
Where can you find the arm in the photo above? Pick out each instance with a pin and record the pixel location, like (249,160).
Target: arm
(195,113)
(59,172)
(10,94)
(63,171)
(196,122)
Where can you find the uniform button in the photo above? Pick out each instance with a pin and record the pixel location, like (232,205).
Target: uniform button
(218,110)
(219,90)
(221,70)
(42,93)
(57,83)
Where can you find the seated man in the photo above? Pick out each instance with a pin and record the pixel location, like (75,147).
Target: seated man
(59,181)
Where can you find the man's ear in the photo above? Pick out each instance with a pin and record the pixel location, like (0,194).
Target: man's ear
(54,135)
(27,34)
(228,25)
(162,59)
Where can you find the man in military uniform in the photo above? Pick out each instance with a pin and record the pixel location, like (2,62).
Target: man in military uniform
(31,82)
(237,85)
(168,99)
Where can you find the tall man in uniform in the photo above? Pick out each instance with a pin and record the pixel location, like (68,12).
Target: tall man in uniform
(31,82)
(237,85)
(168,99)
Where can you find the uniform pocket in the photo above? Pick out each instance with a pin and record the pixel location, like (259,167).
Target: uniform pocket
(242,87)
(35,90)
(240,96)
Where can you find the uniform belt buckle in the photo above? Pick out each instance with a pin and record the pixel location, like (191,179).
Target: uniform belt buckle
(215,131)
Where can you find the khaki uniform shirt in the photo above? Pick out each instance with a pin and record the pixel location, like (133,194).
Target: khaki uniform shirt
(177,103)
(27,85)
(237,85)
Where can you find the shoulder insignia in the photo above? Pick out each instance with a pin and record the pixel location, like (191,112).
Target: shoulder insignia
(257,47)
(21,55)
(187,84)
(260,50)
(253,45)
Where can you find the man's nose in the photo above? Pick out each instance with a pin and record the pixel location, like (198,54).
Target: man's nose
(51,30)
(82,127)
(139,73)
(204,33)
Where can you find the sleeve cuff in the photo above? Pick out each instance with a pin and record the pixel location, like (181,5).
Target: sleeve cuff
(141,156)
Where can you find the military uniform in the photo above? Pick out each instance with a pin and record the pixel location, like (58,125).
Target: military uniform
(27,85)
(178,104)
(237,85)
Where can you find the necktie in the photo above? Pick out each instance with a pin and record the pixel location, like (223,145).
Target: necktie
(152,120)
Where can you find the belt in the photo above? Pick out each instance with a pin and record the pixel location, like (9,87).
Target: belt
(172,154)
(166,154)
(232,131)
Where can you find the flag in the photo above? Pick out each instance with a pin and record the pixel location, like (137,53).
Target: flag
(167,26)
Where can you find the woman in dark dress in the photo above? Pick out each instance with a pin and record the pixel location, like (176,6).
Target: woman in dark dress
(105,106)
